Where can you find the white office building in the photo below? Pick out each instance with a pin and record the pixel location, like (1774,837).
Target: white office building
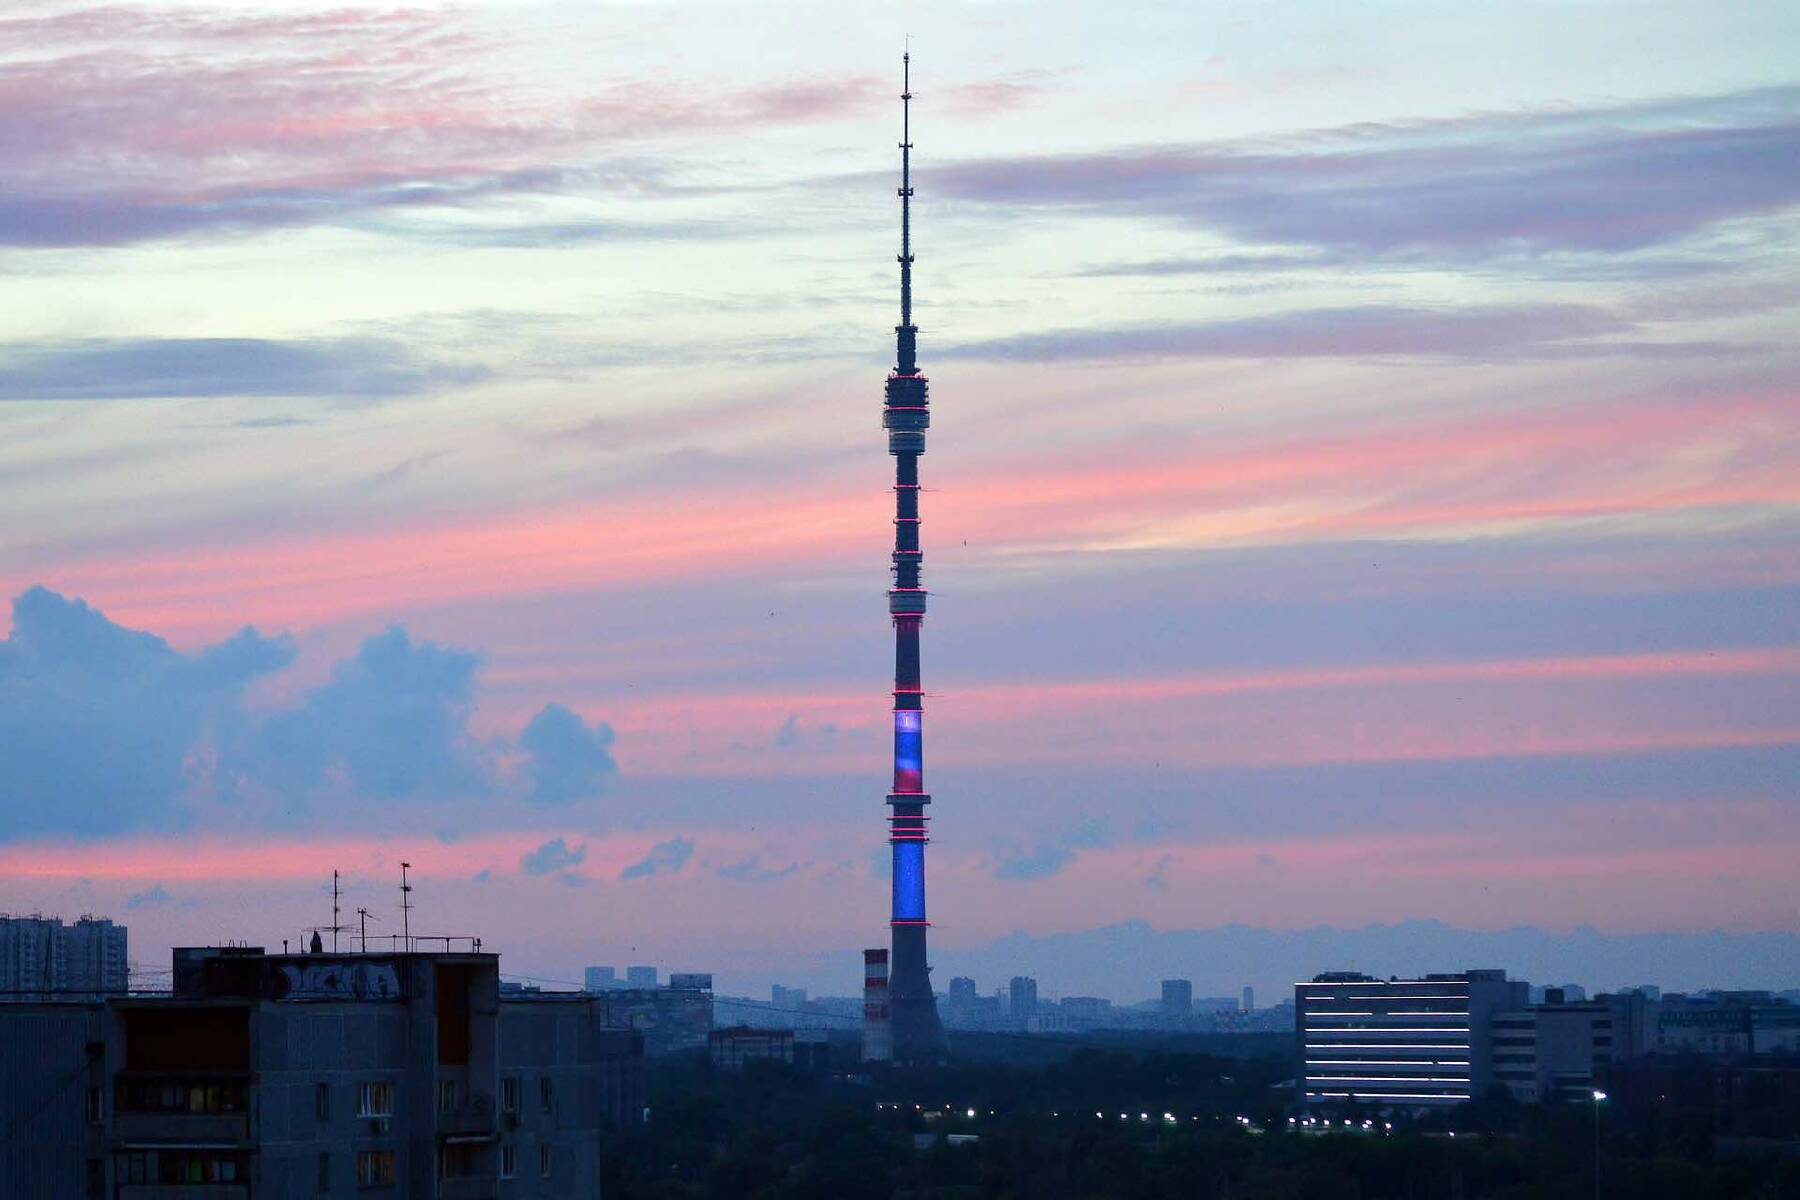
(1401,1042)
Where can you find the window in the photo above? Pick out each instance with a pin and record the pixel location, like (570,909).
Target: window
(375,1100)
(170,1166)
(446,1095)
(544,1161)
(509,1094)
(96,1178)
(133,1167)
(321,1101)
(324,1171)
(509,1161)
(374,1168)
(94,1112)
(135,1096)
(546,1094)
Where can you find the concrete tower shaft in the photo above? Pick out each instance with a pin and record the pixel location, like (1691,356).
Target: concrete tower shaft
(918,1035)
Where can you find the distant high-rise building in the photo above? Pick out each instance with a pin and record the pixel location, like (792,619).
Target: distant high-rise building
(1249,998)
(962,988)
(1553,1051)
(640,977)
(1022,994)
(1177,999)
(598,979)
(1086,1010)
(1407,1042)
(787,997)
(40,956)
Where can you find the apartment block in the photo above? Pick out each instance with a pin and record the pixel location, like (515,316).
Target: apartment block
(261,1075)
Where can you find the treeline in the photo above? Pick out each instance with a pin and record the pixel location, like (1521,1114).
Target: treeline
(1193,1126)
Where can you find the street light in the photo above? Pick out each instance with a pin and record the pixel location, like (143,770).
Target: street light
(1598,1097)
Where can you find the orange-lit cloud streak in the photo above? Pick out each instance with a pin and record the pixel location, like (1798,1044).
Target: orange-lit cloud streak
(1445,480)
(1423,711)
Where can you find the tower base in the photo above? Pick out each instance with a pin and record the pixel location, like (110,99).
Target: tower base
(917,1032)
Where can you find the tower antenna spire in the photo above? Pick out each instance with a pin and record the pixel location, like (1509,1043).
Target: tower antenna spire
(906,332)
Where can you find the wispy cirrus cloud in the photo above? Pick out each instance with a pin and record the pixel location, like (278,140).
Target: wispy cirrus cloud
(1050,856)
(1431,477)
(153,368)
(751,870)
(1604,180)
(1373,331)
(124,125)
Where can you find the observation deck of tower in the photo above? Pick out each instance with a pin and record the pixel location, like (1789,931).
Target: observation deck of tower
(918,1034)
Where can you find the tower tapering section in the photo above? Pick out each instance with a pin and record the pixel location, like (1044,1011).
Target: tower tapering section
(918,1035)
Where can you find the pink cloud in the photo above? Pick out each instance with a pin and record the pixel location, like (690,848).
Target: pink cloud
(1376,713)
(210,858)
(133,124)
(1447,478)
(1505,879)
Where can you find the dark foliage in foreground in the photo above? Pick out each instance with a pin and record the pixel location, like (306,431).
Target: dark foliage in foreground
(771,1133)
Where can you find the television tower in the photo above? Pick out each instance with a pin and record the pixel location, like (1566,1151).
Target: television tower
(918,1035)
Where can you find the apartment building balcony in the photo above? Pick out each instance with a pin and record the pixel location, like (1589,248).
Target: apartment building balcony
(474,1117)
(172,1127)
(186,1107)
(468,1189)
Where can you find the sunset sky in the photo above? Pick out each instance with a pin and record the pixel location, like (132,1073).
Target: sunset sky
(1364,482)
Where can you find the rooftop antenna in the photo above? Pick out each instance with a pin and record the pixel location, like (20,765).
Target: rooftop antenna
(405,908)
(363,918)
(337,925)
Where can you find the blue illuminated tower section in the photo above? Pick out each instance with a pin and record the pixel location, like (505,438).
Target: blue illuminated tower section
(918,1035)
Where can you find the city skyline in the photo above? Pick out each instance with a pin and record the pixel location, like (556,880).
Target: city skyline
(1369,495)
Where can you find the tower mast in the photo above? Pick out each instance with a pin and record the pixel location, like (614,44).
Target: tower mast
(918,1035)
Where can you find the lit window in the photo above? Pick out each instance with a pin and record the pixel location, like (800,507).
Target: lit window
(375,1100)
(375,1168)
